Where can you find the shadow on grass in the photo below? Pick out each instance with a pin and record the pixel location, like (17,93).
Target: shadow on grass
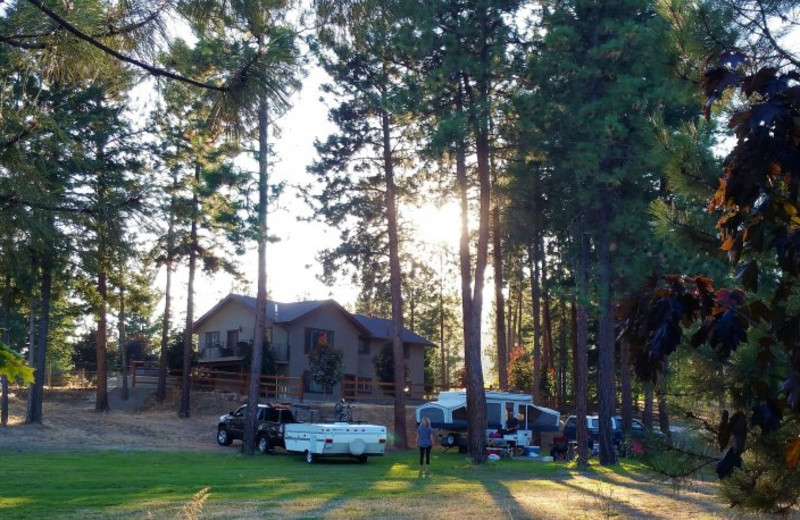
(104,483)
(633,474)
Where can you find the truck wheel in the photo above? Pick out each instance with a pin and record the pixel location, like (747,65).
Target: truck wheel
(309,457)
(264,445)
(223,438)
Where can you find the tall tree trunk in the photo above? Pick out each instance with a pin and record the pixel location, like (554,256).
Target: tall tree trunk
(7,341)
(36,393)
(547,327)
(581,350)
(499,303)
(104,262)
(627,394)
(537,323)
(500,306)
(33,413)
(511,322)
(101,341)
(647,413)
(260,333)
(606,389)
(161,392)
(476,393)
(395,284)
(663,413)
(186,377)
(563,357)
(443,357)
(473,380)
(123,346)
(520,313)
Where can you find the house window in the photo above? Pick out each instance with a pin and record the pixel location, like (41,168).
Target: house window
(363,346)
(269,334)
(212,338)
(315,337)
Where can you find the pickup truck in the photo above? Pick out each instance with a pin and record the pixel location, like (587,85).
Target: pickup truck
(271,421)
(338,439)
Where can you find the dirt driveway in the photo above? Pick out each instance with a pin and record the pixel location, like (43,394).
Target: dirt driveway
(71,423)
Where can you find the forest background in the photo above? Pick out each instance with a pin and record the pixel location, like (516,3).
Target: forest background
(580,142)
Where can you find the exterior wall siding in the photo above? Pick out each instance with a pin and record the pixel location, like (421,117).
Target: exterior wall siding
(231,317)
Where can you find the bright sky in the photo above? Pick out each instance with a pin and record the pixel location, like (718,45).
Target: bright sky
(291,266)
(292,269)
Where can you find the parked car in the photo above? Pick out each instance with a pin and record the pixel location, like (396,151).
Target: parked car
(270,425)
(638,430)
(593,429)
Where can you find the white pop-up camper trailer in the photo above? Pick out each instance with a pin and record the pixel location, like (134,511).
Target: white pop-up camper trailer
(448,414)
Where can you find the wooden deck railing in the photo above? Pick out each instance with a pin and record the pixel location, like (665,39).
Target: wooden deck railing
(272,387)
(376,391)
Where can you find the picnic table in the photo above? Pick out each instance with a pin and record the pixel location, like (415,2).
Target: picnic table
(507,445)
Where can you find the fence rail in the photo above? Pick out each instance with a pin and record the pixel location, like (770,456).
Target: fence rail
(376,391)
(275,387)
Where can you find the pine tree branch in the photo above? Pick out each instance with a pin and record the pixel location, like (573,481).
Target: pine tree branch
(775,45)
(155,71)
(125,29)
(15,42)
(13,200)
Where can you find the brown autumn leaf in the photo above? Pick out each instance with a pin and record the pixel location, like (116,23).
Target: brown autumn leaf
(728,244)
(792,452)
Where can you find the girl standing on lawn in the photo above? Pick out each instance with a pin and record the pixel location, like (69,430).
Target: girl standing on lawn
(425,443)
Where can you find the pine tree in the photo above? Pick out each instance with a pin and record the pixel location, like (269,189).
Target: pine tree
(603,62)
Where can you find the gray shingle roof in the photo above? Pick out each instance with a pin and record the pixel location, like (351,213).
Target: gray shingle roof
(381,328)
(278,312)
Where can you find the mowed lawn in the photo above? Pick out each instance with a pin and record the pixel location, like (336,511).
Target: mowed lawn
(147,484)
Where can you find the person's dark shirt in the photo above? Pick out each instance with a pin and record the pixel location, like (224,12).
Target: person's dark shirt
(512,425)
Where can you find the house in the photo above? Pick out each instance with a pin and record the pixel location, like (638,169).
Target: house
(226,335)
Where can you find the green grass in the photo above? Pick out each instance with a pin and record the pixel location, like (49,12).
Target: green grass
(66,485)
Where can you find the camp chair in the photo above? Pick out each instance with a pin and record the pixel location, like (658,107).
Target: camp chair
(560,447)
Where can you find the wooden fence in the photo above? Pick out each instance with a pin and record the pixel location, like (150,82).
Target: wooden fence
(145,374)
(273,387)
(367,390)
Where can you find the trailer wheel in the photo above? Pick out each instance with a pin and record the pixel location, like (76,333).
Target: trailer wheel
(361,459)
(309,457)
(357,447)
(451,439)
